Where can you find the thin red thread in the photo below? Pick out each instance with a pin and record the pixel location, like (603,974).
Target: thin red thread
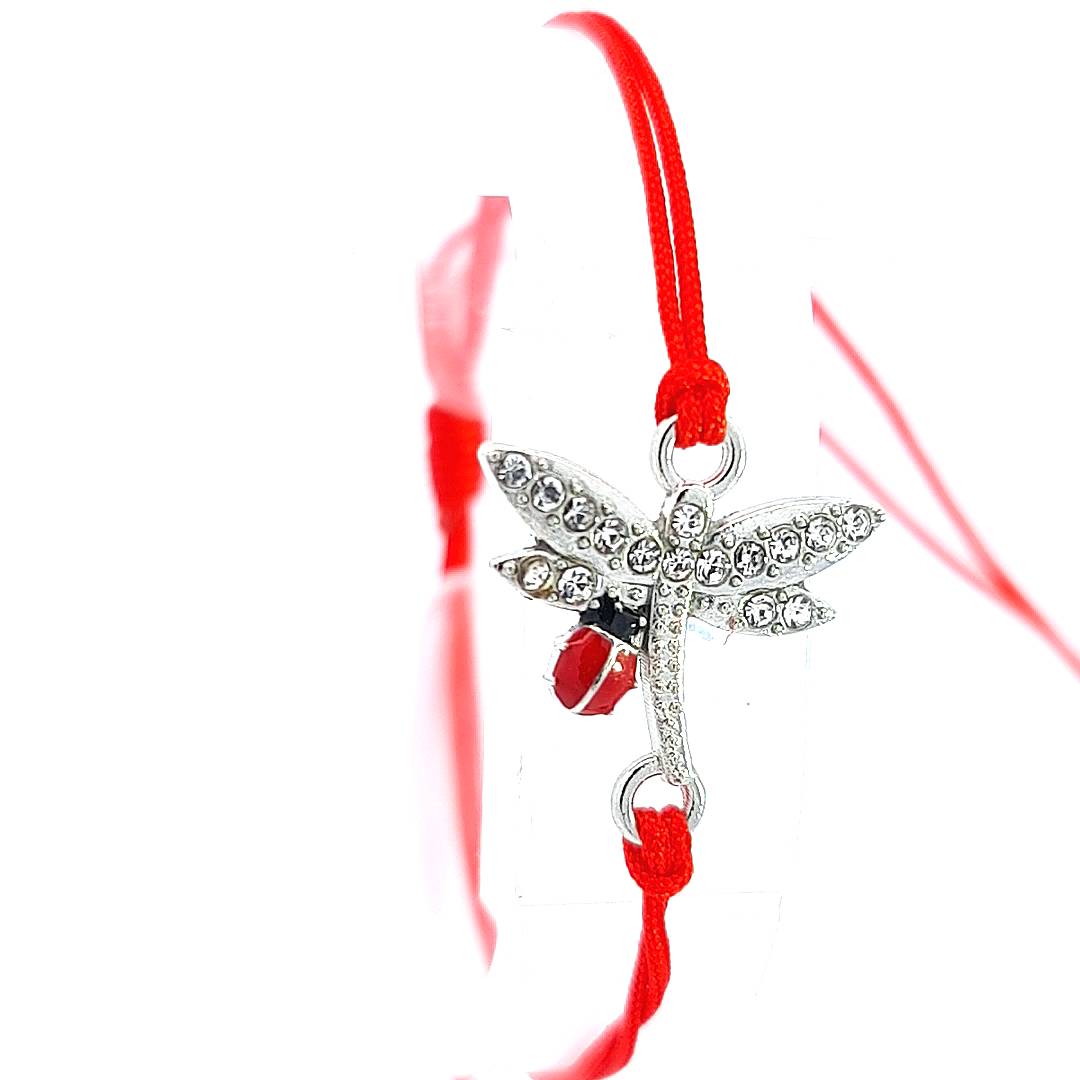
(661,866)
(695,388)
(987,575)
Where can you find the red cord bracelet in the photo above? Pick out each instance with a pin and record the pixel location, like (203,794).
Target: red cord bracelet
(731,581)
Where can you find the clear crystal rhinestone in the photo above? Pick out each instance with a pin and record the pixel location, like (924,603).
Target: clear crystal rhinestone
(610,535)
(688,520)
(798,611)
(548,492)
(536,575)
(576,584)
(749,558)
(820,533)
(759,610)
(514,471)
(712,566)
(580,513)
(784,544)
(855,523)
(643,556)
(677,564)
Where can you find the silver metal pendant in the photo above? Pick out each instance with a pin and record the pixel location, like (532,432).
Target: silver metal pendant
(594,551)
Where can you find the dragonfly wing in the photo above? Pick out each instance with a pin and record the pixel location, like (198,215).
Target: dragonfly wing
(540,573)
(575,513)
(767,611)
(781,543)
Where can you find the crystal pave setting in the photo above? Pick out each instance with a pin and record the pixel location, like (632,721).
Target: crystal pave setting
(661,669)
(596,553)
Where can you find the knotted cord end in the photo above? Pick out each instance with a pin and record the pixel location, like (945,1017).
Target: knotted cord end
(662,865)
(455,476)
(696,392)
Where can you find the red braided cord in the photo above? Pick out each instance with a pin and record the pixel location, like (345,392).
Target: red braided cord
(667,293)
(661,866)
(682,217)
(695,388)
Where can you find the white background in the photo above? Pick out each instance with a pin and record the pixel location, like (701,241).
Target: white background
(216,857)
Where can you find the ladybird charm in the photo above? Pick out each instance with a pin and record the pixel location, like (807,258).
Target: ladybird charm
(596,663)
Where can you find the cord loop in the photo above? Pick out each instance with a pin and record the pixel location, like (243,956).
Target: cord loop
(662,864)
(696,392)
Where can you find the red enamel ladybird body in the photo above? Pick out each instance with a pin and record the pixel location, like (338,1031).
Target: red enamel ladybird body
(592,671)
(596,663)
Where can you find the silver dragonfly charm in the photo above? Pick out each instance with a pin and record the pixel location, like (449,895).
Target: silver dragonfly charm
(640,580)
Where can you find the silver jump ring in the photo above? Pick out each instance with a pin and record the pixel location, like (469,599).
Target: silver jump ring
(632,777)
(732,460)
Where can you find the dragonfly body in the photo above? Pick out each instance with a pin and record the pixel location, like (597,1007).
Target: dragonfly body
(682,528)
